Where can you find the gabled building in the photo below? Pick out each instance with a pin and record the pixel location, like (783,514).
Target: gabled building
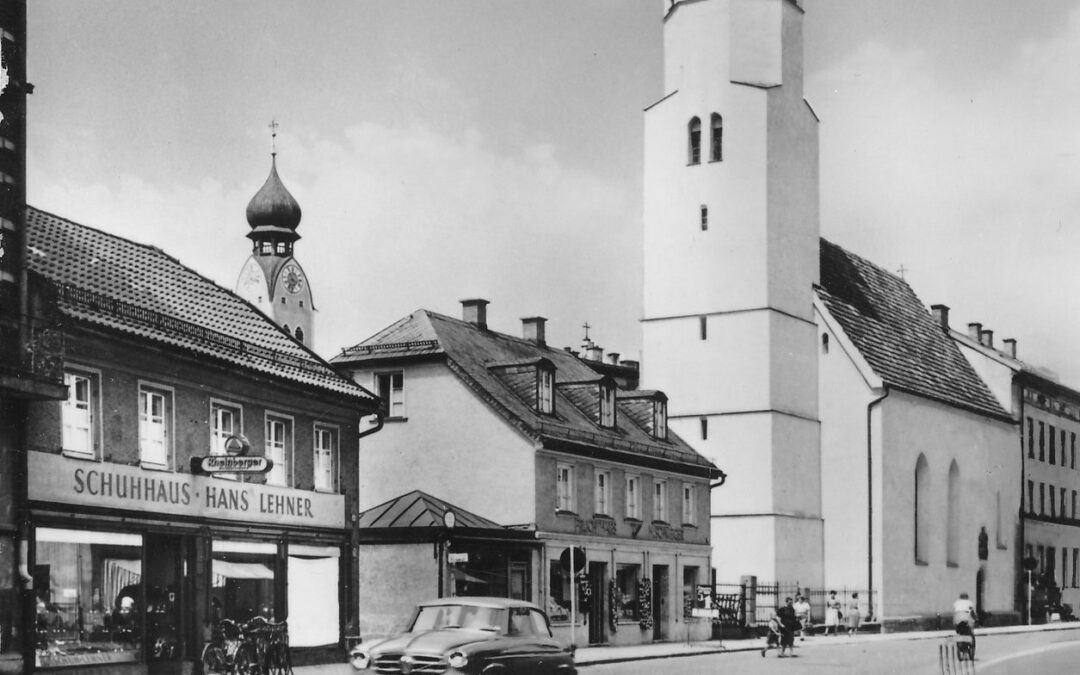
(532,439)
(131,553)
(1047,413)
(919,473)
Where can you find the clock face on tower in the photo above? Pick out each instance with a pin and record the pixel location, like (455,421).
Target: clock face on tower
(292,278)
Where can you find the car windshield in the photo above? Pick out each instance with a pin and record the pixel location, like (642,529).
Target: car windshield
(463,616)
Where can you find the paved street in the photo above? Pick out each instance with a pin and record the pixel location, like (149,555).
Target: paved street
(1039,652)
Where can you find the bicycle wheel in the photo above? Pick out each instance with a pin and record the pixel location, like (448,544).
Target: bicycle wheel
(213,660)
(278,661)
(246,661)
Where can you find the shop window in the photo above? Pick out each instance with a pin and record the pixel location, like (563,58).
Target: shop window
(88,596)
(689,592)
(391,390)
(626,589)
(633,497)
(325,459)
(155,425)
(660,501)
(603,493)
(242,581)
(80,413)
(689,504)
(313,595)
(279,445)
(558,608)
(564,487)
(11,640)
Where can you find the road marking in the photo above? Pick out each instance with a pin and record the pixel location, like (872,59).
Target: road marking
(1028,652)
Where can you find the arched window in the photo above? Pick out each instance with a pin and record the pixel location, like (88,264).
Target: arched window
(716,138)
(695,141)
(952,525)
(922,510)
(299,333)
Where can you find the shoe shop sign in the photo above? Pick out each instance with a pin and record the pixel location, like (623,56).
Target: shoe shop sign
(68,480)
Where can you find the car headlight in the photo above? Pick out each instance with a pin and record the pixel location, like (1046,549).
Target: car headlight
(458,660)
(360,660)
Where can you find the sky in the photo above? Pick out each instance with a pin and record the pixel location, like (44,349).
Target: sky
(451,149)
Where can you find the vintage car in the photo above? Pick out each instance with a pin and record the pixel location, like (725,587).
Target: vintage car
(488,636)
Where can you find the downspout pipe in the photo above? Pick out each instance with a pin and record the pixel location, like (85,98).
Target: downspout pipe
(870,499)
(1021,549)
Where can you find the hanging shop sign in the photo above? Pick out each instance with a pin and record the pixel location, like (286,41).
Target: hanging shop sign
(55,478)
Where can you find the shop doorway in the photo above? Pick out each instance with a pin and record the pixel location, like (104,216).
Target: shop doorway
(164,603)
(660,601)
(599,606)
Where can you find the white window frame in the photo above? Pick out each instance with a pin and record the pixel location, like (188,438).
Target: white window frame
(81,429)
(660,420)
(633,496)
(156,431)
(607,406)
(564,487)
(218,434)
(689,504)
(325,458)
(660,499)
(602,490)
(395,401)
(283,456)
(545,390)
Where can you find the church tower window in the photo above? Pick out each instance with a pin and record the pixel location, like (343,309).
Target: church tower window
(695,141)
(952,525)
(922,510)
(716,139)
(704,217)
(299,334)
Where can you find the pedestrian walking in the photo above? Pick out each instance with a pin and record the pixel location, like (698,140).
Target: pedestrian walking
(832,614)
(853,616)
(772,636)
(802,613)
(789,623)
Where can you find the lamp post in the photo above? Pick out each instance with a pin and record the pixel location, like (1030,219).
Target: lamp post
(1029,564)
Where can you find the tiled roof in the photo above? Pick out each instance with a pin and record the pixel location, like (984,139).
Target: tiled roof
(418,509)
(488,362)
(898,337)
(131,288)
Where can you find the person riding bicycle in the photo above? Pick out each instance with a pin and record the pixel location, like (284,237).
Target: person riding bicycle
(964,620)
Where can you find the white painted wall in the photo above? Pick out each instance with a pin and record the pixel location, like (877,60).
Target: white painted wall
(450,443)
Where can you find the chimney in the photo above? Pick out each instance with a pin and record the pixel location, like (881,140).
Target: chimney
(613,358)
(973,331)
(986,338)
(629,363)
(532,329)
(594,353)
(474,311)
(941,316)
(1010,346)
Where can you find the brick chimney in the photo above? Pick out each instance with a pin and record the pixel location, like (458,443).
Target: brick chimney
(1009,347)
(474,311)
(986,338)
(941,316)
(532,329)
(973,331)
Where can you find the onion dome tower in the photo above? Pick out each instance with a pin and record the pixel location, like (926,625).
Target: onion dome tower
(272,279)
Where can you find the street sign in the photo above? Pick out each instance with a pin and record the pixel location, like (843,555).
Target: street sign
(579,559)
(457,557)
(230,464)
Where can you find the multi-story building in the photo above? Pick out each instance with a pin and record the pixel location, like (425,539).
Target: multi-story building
(525,437)
(131,553)
(1048,416)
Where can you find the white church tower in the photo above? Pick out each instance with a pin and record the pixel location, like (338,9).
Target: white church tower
(731,258)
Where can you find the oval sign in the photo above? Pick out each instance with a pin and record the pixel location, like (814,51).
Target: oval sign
(231,464)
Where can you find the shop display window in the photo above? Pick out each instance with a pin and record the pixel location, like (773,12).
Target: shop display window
(10,608)
(558,608)
(242,580)
(313,595)
(626,582)
(87,589)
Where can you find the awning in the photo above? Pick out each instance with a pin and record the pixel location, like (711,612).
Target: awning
(234,570)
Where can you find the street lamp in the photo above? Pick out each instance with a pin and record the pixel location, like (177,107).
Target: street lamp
(1029,564)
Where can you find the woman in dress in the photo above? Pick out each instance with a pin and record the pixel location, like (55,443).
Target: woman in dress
(853,616)
(832,614)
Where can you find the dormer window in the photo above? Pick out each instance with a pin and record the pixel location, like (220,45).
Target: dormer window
(607,405)
(545,390)
(659,419)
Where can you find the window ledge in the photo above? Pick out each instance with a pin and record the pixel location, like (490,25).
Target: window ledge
(154,466)
(632,520)
(564,512)
(952,565)
(921,563)
(602,516)
(82,456)
(689,525)
(660,522)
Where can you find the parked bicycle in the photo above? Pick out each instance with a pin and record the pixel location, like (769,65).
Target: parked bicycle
(258,647)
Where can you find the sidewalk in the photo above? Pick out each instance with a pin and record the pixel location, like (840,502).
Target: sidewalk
(589,656)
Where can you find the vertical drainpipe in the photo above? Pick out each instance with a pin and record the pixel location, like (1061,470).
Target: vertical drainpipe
(870,500)
(1023,487)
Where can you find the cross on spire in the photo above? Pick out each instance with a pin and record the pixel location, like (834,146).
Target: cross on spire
(586,326)
(273,137)
(902,270)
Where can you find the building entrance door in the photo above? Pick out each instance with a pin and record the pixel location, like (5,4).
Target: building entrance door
(164,606)
(660,601)
(600,602)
